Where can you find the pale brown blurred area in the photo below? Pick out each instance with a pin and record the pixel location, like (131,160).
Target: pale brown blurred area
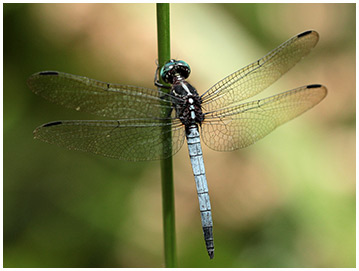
(115,39)
(304,169)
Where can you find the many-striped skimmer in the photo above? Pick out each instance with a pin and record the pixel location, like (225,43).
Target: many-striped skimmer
(151,124)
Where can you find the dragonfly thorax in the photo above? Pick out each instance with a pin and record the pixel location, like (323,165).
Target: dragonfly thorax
(186,100)
(189,109)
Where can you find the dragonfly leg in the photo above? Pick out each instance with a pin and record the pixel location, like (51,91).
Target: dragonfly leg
(158,84)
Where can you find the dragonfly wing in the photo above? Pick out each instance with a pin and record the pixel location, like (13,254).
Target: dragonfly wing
(240,126)
(131,140)
(99,98)
(257,76)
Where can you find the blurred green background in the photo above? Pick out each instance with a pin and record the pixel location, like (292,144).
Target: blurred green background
(286,201)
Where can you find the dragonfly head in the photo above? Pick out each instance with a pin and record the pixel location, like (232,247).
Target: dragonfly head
(174,70)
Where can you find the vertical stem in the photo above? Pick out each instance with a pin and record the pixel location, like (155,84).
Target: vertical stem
(168,207)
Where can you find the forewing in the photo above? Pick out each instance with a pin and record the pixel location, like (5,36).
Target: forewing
(99,98)
(257,76)
(131,140)
(239,126)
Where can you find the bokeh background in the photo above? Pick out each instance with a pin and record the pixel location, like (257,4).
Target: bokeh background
(286,201)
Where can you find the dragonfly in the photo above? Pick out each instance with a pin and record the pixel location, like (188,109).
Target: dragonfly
(150,124)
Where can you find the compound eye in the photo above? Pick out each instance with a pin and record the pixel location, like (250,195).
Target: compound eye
(183,68)
(183,63)
(165,72)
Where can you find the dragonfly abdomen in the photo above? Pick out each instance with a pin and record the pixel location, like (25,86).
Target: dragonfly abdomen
(195,153)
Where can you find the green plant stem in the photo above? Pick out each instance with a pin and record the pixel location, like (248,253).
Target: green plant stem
(168,207)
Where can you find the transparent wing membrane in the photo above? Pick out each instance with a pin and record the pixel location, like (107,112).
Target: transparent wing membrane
(257,76)
(132,140)
(99,98)
(239,126)
(146,116)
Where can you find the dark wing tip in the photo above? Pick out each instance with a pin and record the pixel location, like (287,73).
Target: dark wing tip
(32,79)
(52,123)
(48,73)
(44,73)
(322,89)
(38,129)
(211,254)
(314,35)
(305,33)
(315,86)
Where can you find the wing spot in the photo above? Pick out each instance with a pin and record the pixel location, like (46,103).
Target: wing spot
(314,86)
(49,73)
(304,33)
(52,123)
